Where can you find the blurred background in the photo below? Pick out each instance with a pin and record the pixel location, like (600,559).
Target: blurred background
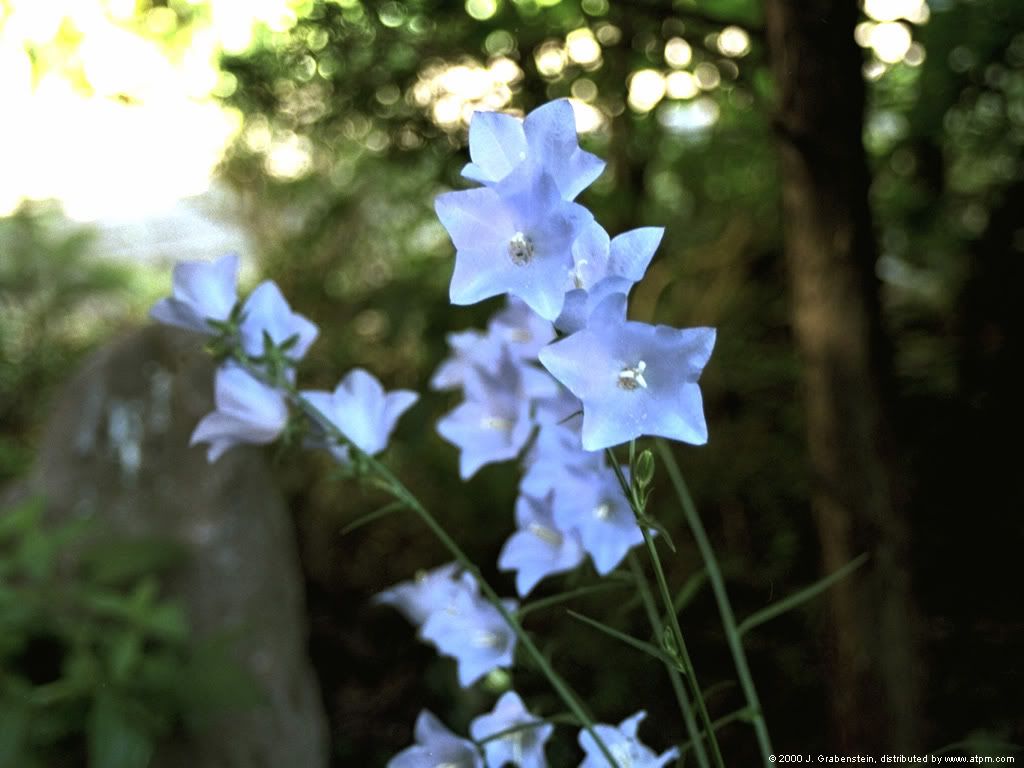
(842,188)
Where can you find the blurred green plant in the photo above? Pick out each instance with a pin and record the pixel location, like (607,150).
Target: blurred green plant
(96,666)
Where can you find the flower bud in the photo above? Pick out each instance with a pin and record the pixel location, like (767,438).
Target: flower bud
(644,470)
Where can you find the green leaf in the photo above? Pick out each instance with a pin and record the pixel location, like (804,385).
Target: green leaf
(639,645)
(123,560)
(115,738)
(689,590)
(371,517)
(801,597)
(14,723)
(561,597)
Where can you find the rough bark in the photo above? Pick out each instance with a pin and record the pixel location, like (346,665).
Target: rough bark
(831,255)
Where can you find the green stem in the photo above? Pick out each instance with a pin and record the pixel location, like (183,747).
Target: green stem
(395,487)
(677,681)
(666,600)
(722,598)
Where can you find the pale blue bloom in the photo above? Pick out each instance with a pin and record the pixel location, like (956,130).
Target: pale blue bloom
(499,143)
(494,422)
(524,748)
(602,267)
(556,452)
(430,592)
(523,330)
(266,311)
(538,549)
(470,349)
(473,632)
(201,291)
(625,746)
(436,747)
(362,410)
(247,411)
(633,378)
(594,505)
(515,237)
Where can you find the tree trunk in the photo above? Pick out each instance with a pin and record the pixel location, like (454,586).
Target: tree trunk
(831,255)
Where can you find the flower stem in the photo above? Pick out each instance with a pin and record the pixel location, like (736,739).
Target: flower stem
(677,681)
(681,651)
(402,494)
(722,598)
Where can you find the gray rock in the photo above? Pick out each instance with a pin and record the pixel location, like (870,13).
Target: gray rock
(116,449)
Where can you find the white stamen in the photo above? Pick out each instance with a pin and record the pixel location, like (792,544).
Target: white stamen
(484,639)
(520,249)
(497,423)
(545,534)
(576,275)
(631,378)
(603,511)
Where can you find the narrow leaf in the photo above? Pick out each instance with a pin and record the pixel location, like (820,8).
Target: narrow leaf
(561,597)
(639,645)
(689,590)
(370,517)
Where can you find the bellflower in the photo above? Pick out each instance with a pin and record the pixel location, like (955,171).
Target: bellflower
(522,329)
(524,748)
(594,505)
(469,349)
(435,747)
(499,143)
(473,632)
(538,549)
(515,237)
(266,311)
(602,267)
(625,746)
(362,410)
(494,422)
(633,378)
(201,291)
(430,592)
(247,411)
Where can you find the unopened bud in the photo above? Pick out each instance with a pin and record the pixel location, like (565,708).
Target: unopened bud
(644,470)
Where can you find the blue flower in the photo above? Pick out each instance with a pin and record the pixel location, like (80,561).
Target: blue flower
(266,311)
(473,632)
(625,746)
(633,378)
(436,746)
(201,291)
(602,267)
(499,143)
(362,410)
(538,549)
(494,422)
(247,411)
(469,349)
(524,748)
(515,237)
(555,453)
(523,330)
(430,592)
(593,505)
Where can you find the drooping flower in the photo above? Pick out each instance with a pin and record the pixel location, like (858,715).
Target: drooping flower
(473,632)
(362,410)
(430,592)
(470,349)
(266,311)
(247,411)
(201,291)
(493,423)
(515,237)
(523,748)
(633,378)
(555,453)
(436,747)
(523,330)
(594,506)
(602,267)
(538,549)
(625,746)
(499,143)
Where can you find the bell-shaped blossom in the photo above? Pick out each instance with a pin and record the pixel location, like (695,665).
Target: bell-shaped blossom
(555,453)
(633,378)
(266,311)
(625,746)
(499,143)
(247,411)
(602,267)
(436,746)
(362,410)
(515,237)
(523,748)
(493,424)
(470,349)
(473,632)
(521,329)
(538,549)
(201,291)
(430,592)
(594,505)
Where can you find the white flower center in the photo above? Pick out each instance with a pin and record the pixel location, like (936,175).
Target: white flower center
(545,534)
(631,378)
(496,422)
(520,249)
(577,275)
(519,335)
(603,511)
(623,754)
(485,639)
